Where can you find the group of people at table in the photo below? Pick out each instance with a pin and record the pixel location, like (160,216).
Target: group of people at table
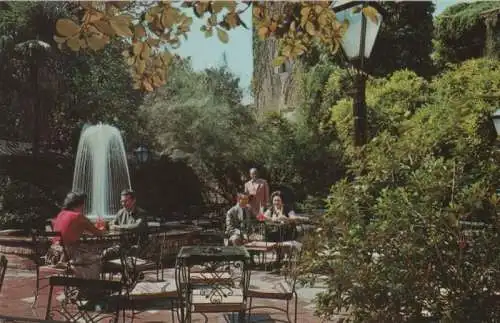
(71,223)
(250,206)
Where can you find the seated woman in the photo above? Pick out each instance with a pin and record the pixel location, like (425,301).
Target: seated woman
(283,214)
(71,223)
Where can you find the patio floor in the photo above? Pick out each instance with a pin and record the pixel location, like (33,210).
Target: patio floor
(17,296)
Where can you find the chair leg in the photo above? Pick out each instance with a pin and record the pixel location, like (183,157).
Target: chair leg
(132,305)
(49,304)
(180,307)
(172,310)
(249,309)
(288,311)
(37,287)
(296,302)
(241,317)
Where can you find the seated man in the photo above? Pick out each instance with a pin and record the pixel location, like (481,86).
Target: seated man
(129,216)
(238,221)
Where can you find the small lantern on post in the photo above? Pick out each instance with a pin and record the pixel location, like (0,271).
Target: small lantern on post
(142,154)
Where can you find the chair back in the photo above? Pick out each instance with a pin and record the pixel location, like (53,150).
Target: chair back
(257,231)
(89,300)
(99,246)
(129,272)
(3,269)
(290,269)
(42,254)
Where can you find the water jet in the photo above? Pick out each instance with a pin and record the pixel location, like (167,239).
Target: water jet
(101,170)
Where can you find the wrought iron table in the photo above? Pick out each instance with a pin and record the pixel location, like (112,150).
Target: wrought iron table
(219,284)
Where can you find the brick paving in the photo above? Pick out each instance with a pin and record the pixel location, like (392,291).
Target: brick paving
(17,296)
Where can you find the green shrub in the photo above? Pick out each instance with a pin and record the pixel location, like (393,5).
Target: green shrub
(392,241)
(24,205)
(460,32)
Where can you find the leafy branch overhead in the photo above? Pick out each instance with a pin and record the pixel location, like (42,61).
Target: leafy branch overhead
(153,29)
(300,26)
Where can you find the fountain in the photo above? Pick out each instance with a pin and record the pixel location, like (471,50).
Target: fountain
(101,170)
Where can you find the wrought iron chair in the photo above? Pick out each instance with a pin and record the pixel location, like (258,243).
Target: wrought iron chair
(110,247)
(218,285)
(3,269)
(87,300)
(283,289)
(139,291)
(148,250)
(44,260)
(258,246)
(151,252)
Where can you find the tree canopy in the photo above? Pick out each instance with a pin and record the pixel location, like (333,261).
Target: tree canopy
(405,39)
(393,243)
(46,96)
(64,89)
(460,32)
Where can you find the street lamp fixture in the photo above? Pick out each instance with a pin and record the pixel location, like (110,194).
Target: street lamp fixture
(365,19)
(142,154)
(496,121)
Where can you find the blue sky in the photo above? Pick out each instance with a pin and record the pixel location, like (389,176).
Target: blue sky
(207,52)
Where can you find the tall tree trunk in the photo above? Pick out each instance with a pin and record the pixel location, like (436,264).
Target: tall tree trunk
(267,82)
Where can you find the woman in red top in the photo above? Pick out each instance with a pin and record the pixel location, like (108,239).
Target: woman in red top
(71,223)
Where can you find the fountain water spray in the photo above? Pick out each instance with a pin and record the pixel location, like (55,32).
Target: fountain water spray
(101,170)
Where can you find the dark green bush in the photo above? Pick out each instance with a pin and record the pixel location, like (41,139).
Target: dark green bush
(392,241)
(24,205)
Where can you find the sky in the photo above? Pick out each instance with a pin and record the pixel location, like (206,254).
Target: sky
(208,52)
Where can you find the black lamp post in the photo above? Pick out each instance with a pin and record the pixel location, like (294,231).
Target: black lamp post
(364,19)
(142,154)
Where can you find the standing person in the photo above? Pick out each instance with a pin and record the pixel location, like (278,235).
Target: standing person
(71,223)
(258,192)
(238,221)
